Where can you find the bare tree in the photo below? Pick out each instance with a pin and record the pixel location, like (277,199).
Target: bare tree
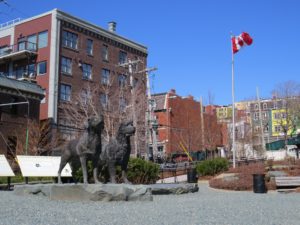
(39,136)
(289,113)
(212,134)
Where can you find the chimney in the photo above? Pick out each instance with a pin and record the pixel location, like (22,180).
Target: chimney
(190,97)
(172,91)
(112,26)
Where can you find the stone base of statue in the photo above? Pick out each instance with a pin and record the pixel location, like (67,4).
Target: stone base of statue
(87,192)
(176,188)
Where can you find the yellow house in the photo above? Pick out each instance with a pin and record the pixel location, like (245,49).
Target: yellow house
(224,112)
(279,120)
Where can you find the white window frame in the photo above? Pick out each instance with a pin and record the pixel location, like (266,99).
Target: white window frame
(66,65)
(87,71)
(67,95)
(38,68)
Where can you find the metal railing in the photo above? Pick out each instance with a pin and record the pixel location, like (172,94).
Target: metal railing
(21,46)
(9,23)
(23,75)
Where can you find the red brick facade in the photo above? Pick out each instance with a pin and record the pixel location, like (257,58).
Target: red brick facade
(179,123)
(55,23)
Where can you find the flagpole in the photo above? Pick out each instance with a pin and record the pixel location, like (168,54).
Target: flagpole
(233,112)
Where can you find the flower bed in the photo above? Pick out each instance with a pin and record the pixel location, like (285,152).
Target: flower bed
(243,179)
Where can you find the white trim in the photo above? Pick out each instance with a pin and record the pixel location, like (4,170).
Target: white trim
(92,27)
(30,19)
(53,68)
(165,103)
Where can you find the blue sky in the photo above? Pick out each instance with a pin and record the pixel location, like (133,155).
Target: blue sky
(189,41)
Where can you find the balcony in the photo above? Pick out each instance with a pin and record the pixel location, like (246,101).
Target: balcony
(21,75)
(19,51)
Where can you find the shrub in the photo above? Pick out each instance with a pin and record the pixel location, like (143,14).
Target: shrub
(212,166)
(139,172)
(142,172)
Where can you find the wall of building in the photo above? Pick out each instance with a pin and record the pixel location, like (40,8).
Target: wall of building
(31,27)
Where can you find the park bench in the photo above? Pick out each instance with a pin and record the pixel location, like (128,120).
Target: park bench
(287,181)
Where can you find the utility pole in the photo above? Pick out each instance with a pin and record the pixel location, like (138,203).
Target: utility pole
(260,121)
(130,63)
(151,121)
(202,122)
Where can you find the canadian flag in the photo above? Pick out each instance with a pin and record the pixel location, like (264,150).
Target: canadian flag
(239,41)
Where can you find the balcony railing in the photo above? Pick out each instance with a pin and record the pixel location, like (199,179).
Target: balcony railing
(18,51)
(21,46)
(21,75)
(9,23)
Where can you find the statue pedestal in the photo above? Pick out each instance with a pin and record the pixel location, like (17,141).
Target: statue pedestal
(177,188)
(87,192)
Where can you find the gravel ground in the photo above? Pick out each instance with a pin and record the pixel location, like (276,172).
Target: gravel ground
(208,206)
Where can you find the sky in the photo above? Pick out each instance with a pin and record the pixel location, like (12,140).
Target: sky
(189,40)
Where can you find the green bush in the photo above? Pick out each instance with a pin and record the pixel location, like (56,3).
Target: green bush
(139,172)
(20,179)
(212,166)
(142,172)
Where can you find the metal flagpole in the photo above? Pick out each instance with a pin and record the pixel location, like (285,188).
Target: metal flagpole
(233,112)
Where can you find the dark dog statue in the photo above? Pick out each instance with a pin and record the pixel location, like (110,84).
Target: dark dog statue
(89,143)
(117,151)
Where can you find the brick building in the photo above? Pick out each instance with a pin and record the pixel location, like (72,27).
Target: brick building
(19,105)
(69,57)
(179,122)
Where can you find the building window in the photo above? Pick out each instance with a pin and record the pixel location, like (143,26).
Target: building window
(265,106)
(104,52)
(104,100)
(105,77)
(122,80)
(277,129)
(65,92)
(21,44)
(31,42)
(89,47)
(66,65)
(135,65)
(123,104)
(265,115)
(3,49)
(256,107)
(70,40)
(43,39)
(256,116)
(31,70)
(122,57)
(86,71)
(42,68)
(86,96)
(266,128)
(276,116)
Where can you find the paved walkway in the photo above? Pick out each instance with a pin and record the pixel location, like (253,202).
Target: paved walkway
(208,206)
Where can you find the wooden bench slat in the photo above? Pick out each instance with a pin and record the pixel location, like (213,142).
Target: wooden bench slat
(287,181)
